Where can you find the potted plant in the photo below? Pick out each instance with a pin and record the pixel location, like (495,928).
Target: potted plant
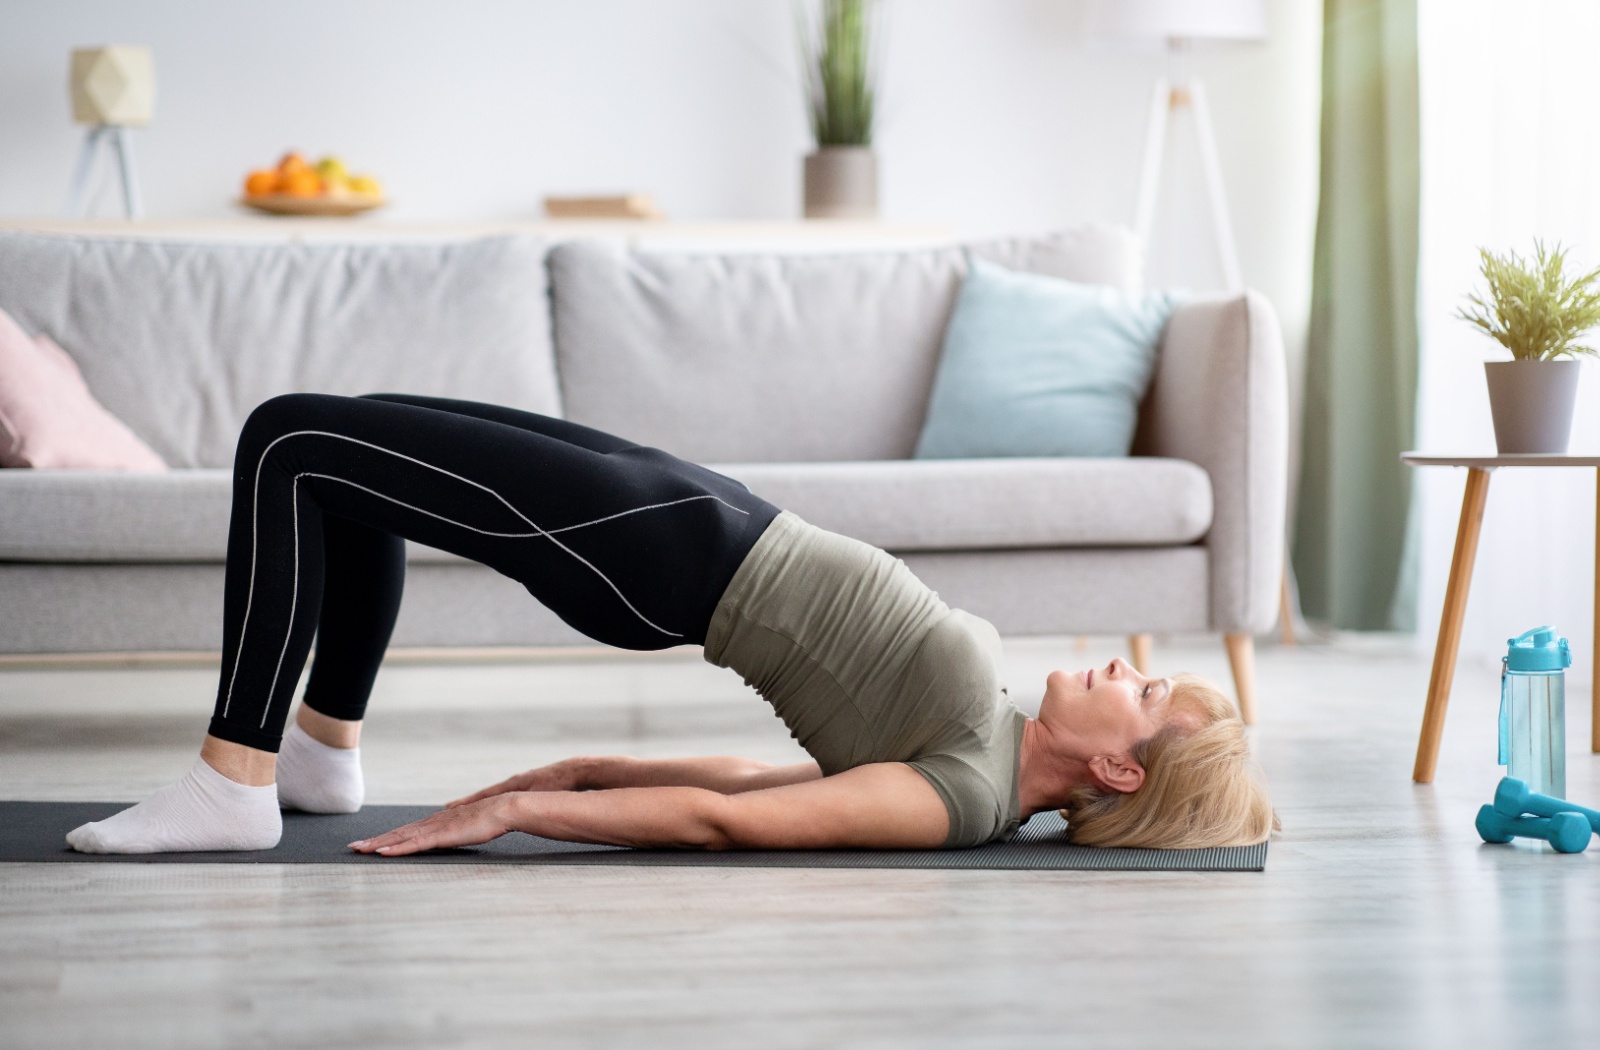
(1537,312)
(841,174)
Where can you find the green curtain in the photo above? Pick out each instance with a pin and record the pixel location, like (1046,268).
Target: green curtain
(1353,546)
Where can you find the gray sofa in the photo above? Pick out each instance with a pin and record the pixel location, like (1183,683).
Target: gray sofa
(803,374)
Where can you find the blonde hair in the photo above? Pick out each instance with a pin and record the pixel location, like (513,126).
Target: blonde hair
(1200,786)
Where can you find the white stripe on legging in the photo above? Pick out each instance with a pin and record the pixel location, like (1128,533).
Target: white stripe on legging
(295,494)
(523,535)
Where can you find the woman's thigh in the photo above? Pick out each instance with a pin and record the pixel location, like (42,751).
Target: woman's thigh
(563,429)
(632,547)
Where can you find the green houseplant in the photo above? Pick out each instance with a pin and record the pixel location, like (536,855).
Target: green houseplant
(1538,312)
(836,55)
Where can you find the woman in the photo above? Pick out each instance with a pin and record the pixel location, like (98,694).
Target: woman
(897,697)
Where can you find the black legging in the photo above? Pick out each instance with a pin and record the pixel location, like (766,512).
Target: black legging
(627,544)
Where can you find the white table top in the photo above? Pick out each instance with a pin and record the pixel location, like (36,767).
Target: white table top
(1574,459)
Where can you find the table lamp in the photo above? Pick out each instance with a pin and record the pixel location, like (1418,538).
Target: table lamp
(113,89)
(1180,23)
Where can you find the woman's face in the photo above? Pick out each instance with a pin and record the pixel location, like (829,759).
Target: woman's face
(1107,709)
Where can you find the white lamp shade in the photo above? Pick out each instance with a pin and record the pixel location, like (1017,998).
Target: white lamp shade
(113,85)
(1169,19)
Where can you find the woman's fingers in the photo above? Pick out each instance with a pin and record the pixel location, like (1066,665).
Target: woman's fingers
(474,797)
(508,784)
(463,826)
(544,778)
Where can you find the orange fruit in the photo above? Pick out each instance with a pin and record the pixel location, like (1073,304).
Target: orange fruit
(292,162)
(302,183)
(261,182)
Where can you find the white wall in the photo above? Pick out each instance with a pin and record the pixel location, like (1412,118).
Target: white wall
(995,117)
(1510,153)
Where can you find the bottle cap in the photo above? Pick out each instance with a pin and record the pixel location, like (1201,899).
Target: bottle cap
(1540,649)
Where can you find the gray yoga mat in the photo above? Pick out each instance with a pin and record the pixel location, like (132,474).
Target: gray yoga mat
(34,832)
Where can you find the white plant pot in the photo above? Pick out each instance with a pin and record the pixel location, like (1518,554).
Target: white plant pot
(841,182)
(1532,402)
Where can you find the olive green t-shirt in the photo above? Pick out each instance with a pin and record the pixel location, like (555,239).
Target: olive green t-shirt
(864,663)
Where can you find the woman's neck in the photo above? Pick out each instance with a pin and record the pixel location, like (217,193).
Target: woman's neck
(1046,772)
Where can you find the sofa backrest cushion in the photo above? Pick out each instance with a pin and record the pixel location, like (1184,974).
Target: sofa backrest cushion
(762,357)
(181,339)
(1038,366)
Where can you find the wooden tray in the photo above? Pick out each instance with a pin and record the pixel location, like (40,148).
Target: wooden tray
(286,204)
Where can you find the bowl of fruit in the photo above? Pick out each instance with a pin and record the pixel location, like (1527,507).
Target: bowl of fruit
(298,187)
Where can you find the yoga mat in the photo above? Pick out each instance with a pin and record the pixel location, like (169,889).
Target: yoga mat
(34,831)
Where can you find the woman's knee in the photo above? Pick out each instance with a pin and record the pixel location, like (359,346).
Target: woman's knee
(281,415)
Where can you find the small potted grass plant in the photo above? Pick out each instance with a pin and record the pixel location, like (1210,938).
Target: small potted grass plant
(836,55)
(1536,311)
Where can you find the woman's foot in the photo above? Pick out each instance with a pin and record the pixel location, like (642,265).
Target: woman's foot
(204,811)
(316,778)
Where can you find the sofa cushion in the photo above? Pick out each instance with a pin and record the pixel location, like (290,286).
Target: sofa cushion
(111,516)
(993,504)
(181,339)
(901,506)
(760,357)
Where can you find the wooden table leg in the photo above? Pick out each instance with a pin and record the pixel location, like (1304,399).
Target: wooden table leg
(1455,607)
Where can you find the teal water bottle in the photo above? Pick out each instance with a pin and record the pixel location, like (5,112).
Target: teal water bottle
(1533,710)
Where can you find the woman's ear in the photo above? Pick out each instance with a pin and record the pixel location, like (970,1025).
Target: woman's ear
(1118,773)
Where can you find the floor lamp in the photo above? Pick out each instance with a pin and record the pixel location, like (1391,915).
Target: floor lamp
(1178,25)
(113,89)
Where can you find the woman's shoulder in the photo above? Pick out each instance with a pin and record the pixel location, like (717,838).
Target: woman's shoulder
(978,781)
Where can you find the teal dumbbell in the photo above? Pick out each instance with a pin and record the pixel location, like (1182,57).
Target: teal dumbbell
(1567,832)
(1512,799)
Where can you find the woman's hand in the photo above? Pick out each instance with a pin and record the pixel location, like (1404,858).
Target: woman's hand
(465,825)
(560,776)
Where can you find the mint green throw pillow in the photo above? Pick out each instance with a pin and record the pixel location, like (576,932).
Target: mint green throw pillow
(1040,366)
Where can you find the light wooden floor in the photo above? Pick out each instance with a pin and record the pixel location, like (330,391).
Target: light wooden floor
(1381,921)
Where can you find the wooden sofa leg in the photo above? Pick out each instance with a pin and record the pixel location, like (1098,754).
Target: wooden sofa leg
(1140,645)
(1242,658)
(1285,607)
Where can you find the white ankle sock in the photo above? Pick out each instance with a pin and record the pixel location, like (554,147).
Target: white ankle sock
(202,812)
(316,778)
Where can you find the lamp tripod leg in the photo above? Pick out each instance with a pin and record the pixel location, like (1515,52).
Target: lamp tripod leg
(1155,140)
(80,172)
(1222,221)
(131,204)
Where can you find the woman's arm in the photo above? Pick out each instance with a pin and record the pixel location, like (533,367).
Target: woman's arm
(886,805)
(723,774)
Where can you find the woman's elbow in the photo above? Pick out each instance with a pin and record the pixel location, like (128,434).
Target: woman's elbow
(721,824)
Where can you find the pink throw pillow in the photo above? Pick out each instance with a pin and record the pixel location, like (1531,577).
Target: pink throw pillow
(49,419)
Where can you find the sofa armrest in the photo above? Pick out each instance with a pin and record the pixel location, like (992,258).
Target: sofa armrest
(1220,399)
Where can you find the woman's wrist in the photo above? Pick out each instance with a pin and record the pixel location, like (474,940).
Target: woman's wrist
(519,811)
(588,773)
